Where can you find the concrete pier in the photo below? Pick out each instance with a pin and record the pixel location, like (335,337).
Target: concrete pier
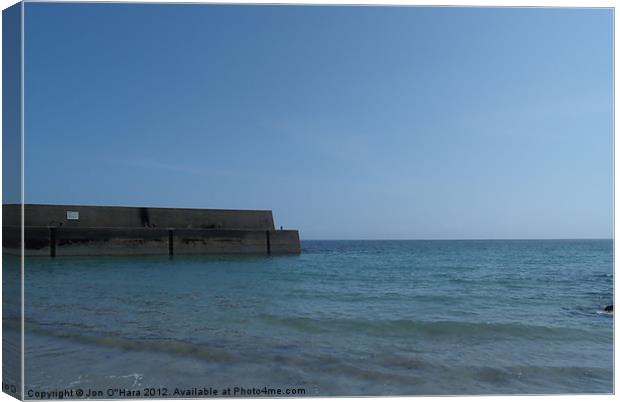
(64,230)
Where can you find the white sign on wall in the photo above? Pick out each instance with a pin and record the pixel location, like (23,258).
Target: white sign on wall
(73,215)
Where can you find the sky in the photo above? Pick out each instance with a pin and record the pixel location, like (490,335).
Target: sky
(347,122)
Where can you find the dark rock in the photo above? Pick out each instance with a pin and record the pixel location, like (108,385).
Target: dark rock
(610,308)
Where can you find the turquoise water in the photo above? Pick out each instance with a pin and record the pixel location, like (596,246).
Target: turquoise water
(342,318)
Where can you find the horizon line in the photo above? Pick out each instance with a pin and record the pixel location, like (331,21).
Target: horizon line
(469,239)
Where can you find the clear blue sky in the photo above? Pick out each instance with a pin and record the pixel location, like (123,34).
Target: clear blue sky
(347,122)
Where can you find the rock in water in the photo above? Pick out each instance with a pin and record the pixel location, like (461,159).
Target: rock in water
(610,308)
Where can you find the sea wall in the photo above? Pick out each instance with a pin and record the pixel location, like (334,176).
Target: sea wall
(91,232)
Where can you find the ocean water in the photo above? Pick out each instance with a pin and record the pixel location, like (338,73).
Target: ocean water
(341,318)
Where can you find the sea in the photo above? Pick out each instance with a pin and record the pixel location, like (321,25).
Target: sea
(343,318)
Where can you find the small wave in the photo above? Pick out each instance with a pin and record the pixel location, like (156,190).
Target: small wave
(603,312)
(137,378)
(536,378)
(386,328)
(170,346)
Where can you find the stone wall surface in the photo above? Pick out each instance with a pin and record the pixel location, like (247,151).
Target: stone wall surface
(285,241)
(102,216)
(196,241)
